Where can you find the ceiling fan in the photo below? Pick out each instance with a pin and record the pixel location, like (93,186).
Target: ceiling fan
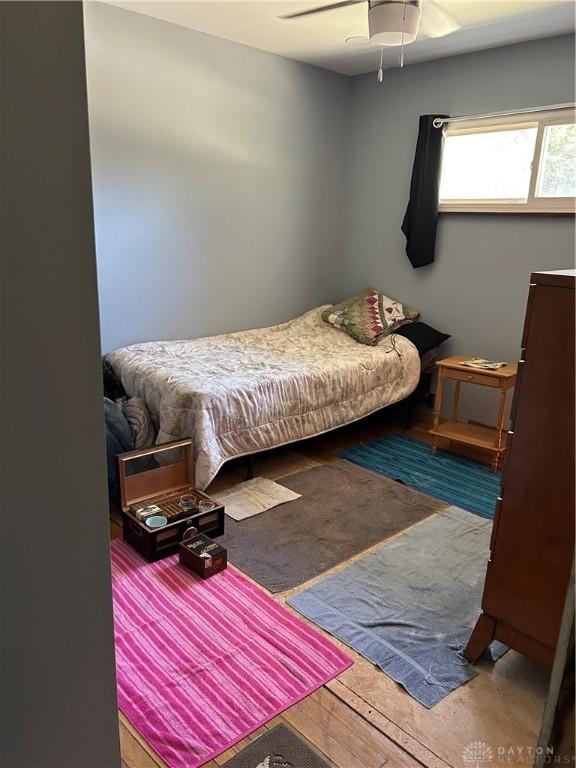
(394,22)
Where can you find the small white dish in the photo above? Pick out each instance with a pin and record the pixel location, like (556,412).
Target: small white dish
(157,521)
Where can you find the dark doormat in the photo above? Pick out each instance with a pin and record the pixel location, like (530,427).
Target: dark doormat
(344,510)
(279,748)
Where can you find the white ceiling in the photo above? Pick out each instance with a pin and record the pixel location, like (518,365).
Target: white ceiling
(321,39)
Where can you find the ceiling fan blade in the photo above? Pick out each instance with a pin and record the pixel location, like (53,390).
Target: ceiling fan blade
(321,9)
(436,22)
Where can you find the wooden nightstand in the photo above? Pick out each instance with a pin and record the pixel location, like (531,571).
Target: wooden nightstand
(482,437)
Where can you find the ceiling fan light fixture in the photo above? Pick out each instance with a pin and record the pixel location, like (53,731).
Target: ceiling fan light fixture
(358,41)
(394,23)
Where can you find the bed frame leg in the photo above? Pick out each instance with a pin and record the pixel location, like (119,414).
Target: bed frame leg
(420,395)
(410,405)
(250,467)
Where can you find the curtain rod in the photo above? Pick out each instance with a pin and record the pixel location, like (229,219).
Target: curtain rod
(440,121)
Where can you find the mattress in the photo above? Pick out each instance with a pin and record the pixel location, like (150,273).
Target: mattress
(240,393)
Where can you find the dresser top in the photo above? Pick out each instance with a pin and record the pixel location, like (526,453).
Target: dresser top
(563,278)
(571,272)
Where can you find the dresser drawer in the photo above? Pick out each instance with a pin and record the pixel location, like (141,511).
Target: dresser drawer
(471,378)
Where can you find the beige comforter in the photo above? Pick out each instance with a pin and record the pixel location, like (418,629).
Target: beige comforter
(244,392)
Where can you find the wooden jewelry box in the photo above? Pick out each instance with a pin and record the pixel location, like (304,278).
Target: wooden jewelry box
(148,481)
(202,555)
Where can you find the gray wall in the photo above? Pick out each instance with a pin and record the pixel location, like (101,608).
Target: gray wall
(58,693)
(477,288)
(218,180)
(234,188)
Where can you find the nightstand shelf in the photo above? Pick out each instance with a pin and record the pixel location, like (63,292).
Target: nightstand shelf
(471,434)
(502,380)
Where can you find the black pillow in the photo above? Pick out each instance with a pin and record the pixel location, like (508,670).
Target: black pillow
(423,336)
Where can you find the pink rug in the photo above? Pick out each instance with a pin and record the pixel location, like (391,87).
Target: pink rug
(201,664)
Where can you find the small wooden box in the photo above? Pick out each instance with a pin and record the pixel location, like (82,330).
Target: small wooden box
(163,485)
(202,555)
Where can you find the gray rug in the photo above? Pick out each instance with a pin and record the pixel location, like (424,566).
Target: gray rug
(279,748)
(344,510)
(410,606)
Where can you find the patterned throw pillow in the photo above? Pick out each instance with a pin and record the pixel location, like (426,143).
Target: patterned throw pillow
(369,316)
(138,416)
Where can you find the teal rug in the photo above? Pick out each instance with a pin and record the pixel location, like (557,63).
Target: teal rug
(447,477)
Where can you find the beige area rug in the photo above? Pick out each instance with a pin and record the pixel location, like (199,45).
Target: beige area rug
(255,496)
(275,465)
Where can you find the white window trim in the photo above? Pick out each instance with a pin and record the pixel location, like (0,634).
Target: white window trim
(533,205)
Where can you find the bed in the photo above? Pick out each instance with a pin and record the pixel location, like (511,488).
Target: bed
(240,393)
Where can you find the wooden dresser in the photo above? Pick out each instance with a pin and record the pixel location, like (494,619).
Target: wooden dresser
(532,545)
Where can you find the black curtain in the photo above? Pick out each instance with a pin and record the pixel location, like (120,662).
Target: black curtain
(421,215)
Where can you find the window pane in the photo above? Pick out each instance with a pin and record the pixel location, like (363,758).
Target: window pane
(557,177)
(493,166)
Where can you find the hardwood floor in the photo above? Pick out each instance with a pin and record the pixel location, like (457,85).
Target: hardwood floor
(343,737)
(363,719)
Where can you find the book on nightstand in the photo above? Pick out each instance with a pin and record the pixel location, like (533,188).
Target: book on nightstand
(486,365)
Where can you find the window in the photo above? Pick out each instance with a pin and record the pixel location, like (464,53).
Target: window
(519,164)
